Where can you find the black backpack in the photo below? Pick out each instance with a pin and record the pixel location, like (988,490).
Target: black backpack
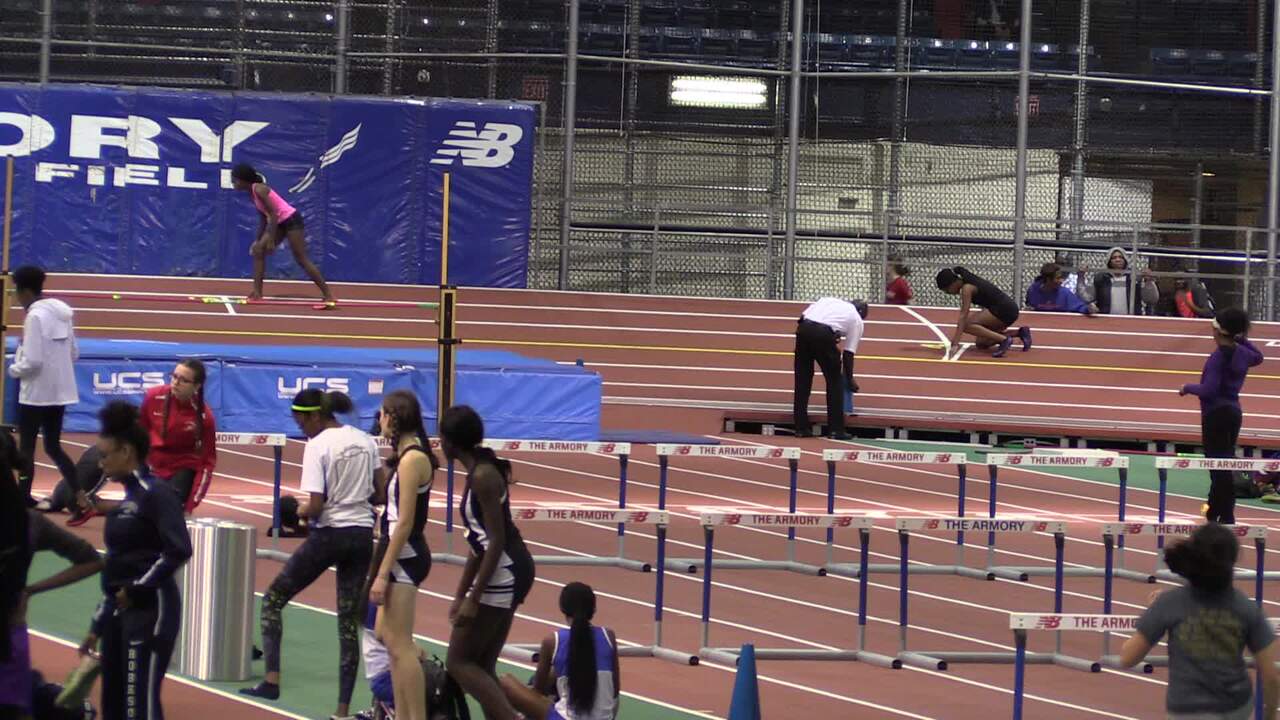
(445,699)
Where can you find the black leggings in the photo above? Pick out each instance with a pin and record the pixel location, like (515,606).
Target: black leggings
(1219,430)
(45,420)
(350,549)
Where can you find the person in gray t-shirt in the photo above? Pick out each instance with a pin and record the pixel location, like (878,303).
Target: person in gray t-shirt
(1209,624)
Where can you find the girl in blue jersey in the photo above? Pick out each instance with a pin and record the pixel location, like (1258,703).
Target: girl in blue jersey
(499,570)
(579,666)
(406,560)
(147,541)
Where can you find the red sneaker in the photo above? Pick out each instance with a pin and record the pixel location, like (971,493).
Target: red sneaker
(81,517)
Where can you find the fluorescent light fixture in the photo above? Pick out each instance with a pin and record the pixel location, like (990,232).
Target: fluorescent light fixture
(718,92)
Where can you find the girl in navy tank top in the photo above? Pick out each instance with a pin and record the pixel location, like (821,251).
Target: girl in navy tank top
(499,570)
(406,560)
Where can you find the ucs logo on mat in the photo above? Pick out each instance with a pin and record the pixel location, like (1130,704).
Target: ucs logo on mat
(126,383)
(286,388)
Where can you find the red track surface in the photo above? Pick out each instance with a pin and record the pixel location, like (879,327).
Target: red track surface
(750,363)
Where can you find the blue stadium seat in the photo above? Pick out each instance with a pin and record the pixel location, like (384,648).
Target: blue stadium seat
(719,43)
(1208,63)
(1170,61)
(935,53)
(735,15)
(975,54)
(696,13)
(757,46)
(870,50)
(1242,64)
(681,41)
(658,12)
(831,48)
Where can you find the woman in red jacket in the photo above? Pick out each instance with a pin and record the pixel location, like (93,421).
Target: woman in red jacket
(183,435)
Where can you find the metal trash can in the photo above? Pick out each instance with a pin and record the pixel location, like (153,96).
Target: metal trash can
(216,639)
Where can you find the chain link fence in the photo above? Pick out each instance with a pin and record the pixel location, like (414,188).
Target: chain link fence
(1146,126)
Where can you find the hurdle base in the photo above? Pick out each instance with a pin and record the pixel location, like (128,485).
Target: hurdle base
(448,559)
(1080,572)
(585,561)
(659,652)
(729,656)
(1145,667)
(1243,574)
(1016,574)
(277,555)
(520,653)
(695,564)
(921,660)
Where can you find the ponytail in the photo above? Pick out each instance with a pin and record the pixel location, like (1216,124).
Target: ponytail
(578,603)
(334,403)
(1206,559)
(405,412)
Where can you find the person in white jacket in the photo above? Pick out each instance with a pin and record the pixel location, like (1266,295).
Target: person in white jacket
(43,367)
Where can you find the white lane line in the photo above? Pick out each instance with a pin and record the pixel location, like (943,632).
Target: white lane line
(226,302)
(946,341)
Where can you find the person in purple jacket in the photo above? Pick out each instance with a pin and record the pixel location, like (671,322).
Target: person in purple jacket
(1047,294)
(1220,414)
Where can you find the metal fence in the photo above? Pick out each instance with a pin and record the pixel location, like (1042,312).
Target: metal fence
(940,132)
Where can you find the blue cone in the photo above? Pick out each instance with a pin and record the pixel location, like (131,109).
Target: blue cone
(746,693)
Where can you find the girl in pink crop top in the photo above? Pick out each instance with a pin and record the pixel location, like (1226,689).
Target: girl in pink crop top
(278,220)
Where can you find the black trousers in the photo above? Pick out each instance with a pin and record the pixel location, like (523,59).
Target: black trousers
(44,420)
(816,342)
(136,647)
(1219,430)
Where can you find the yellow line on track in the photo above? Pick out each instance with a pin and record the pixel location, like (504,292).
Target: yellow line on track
(642,348)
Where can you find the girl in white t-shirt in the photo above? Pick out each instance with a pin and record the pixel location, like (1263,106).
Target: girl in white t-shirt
(338,468)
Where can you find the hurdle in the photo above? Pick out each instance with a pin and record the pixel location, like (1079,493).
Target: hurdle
(621,450)
(1060,459)
(1166,463)
(275,441)
(790,454)
(939,660)
(746,518)
(1257,533)
(658,518)
(1022,623)
(894,457)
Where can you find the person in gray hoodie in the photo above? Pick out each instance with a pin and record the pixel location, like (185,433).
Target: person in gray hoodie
(43,366)
(1113,288)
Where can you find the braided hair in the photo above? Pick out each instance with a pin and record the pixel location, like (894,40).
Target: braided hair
(405,411)
(197,369)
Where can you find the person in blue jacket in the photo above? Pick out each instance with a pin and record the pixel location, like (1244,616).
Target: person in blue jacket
(147,542)
(1047,293)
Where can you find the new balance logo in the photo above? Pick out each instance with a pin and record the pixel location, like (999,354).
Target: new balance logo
(492,147)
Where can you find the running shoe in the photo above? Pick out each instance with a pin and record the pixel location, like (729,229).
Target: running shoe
(1024,334)
(46,506)
(1002,348)
(81,517)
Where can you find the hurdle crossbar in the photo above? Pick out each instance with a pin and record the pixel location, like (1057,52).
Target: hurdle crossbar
(1022,623)
(1166,463)
(890,457)
(660,519)
(936,660)
(621,450)
(1068,459)
(790,454)
(749,518)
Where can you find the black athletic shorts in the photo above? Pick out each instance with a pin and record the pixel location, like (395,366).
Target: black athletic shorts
(294,222)
(1005,312)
